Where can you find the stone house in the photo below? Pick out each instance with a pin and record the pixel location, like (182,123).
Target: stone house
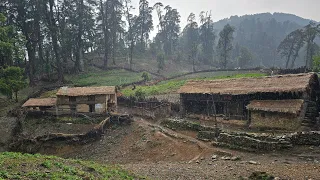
(40,104)
(86,100)
(230,97)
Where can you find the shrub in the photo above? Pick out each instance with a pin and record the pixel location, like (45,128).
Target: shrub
(140,94)
(146,76)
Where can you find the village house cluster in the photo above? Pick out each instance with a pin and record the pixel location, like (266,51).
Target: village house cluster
(284,101)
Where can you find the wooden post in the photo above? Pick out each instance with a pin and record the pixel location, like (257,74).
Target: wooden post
(182,106)
(57,110)
(249,119)
(215,117)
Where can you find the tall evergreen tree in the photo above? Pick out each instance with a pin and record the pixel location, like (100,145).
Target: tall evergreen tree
(192,39)
(225,45)
(207,36)
(145,22)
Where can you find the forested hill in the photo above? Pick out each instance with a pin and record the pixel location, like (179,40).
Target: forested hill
(50,39)
(262,33)
(263,17)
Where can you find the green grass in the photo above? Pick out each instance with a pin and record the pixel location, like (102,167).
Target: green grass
(49,94)
(27,166)
(173,85)
(105,78)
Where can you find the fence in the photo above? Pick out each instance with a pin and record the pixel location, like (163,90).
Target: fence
(151,108)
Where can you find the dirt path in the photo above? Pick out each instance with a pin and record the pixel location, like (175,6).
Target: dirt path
(154,151)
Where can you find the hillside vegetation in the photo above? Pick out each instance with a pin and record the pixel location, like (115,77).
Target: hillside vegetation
(105,78)
(172,86)
(27,166)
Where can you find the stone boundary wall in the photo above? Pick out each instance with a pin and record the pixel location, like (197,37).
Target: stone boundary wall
(185,125)
(246,141)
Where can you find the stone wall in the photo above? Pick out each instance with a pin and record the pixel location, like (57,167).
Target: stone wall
(176,124)
(162,111)
(305,138)
(246,141)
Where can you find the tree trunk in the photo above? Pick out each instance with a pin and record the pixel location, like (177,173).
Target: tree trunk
(131,53)
(16,95)
(142,29)
(78,51)
(54,36)
(31,58)
(105,32)
(39,35)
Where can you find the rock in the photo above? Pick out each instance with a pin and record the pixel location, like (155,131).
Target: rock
(277,178)
(198,162)
(253,162)
(235,158)
(209,163)
(226,158)
(214,156)
(202,158)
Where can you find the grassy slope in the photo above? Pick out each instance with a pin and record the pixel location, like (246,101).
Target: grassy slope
(174,85)
(105,78)
(26,166)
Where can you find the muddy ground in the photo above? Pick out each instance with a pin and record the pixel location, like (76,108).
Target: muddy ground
(159,153)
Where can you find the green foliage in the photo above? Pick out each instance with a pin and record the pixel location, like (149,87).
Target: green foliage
(47,164)
(146,76)
(140,94)
(289,48)
(27,166)
(316,64)
(225,44)
(160,60)
(245,57)
(11,43)
(11,81)
(207,37)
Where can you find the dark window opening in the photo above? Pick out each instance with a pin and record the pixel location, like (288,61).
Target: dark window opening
(73,108)
(72,99)
(92,108)
(91,98)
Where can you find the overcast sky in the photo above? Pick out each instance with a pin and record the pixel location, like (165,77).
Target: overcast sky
(221,9)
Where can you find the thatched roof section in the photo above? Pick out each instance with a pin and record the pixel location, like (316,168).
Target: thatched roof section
(284,83)
(293,106)
(86,91)
(40,102)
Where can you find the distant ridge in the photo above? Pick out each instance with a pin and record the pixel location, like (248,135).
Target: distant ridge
(279,17)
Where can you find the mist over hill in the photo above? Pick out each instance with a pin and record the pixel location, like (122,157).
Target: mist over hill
(262,34)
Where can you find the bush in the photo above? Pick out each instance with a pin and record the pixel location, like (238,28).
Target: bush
(12,81)
(316,64)
(146,76)
(140,94)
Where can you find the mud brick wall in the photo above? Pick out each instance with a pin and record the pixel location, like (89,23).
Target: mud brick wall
(273,120)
